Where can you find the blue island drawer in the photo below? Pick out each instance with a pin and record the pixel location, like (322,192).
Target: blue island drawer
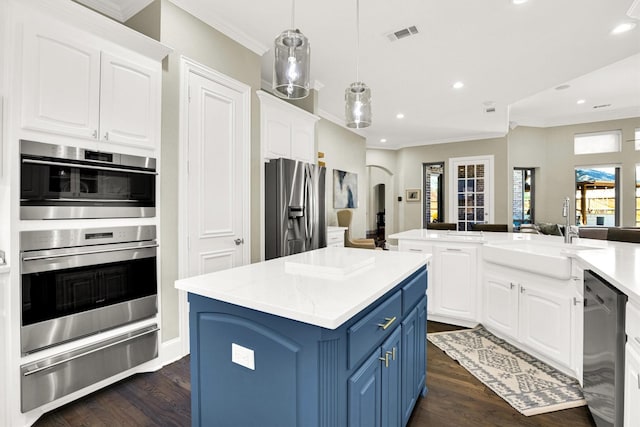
(413,291)
(374,327)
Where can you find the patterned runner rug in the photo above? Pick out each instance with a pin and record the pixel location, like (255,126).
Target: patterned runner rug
(529,385)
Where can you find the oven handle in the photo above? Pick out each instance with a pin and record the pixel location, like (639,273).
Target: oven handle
(86,353)
(83,200)
(100,251)
(83,166)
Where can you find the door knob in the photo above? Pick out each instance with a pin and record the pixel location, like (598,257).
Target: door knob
(239,242)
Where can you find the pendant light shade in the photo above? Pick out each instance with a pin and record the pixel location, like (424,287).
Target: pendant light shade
(291,63)
(357,108)
(357,96)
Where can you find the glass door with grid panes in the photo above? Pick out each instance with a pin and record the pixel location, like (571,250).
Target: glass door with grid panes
(471,186)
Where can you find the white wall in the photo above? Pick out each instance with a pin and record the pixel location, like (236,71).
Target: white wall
(344,150)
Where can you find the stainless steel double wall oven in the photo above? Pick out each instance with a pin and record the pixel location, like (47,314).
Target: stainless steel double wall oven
(81,282)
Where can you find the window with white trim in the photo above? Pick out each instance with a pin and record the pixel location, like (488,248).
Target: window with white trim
(598,142)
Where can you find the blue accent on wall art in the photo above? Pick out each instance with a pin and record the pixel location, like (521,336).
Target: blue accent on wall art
(345,189)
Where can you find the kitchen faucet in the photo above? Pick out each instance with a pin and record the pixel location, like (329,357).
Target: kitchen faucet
(569,230)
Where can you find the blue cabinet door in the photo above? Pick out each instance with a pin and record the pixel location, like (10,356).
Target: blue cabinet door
(391,380)
(409,357)
(365,393)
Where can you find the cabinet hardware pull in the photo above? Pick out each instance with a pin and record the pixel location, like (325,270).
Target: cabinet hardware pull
(385,359)
(415,250)
(238,241)
(522,289)
(511,285)
(95,134)
(389,320)
(454,250)
(392,353)
(576,301)
(106,136)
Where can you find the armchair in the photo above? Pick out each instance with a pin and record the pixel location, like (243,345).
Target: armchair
(344,220)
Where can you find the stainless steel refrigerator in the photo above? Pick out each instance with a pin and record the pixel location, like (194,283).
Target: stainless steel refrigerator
(294,208)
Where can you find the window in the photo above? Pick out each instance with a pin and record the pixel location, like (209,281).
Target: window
(598,142)
(598,195)
(637,194)
(433,206)
(523,196)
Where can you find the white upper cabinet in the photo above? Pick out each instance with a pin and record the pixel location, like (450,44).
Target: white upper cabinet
(72,89)
(61,85)
(129,101)
(286,131)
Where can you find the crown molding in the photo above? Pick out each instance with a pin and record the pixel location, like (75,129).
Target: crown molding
(119,10)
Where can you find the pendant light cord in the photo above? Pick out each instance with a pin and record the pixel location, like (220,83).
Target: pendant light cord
(293,13)
(357,40)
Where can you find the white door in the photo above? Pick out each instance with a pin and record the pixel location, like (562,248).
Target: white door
(129,104)
(471,191)
(218,173)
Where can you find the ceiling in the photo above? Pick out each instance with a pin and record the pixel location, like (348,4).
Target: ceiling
(510,58)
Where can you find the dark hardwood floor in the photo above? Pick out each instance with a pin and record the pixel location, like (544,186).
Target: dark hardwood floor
(455,399)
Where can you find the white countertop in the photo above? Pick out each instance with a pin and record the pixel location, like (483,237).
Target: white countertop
(616,262)
(339,283)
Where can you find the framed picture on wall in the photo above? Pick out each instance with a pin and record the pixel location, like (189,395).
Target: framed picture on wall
(345,189)
(412,195)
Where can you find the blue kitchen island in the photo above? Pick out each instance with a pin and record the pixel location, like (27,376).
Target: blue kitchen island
(332,337)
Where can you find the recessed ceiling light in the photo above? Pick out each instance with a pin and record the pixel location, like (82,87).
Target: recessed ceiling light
(563,87)
(458,85)
(580,101)
(518,1)
(400,116)
(383,140)
(623,28)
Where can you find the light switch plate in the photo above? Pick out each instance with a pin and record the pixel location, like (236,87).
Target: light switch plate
(243,356)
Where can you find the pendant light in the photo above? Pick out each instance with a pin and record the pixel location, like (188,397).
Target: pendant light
(291,63)
(357,96)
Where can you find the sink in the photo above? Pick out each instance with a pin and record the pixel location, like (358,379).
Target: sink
(544,258)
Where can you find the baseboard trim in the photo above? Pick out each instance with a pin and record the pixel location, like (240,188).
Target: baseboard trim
(172,350)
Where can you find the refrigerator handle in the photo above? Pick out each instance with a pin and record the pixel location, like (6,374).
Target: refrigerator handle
(309,203)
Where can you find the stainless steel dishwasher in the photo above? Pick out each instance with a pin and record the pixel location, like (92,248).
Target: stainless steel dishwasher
(603,356)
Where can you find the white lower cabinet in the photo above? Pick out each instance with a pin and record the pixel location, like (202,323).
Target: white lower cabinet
(632,387)
(501,305)
(536,311)
(632,367)
(455,281)
(545,321)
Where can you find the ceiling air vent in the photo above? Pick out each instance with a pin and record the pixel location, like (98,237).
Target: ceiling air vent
(403,33)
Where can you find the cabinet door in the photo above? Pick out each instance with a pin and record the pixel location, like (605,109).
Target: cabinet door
(365,390)
(413,358)
(631,388)
(501,305)
(129,101)
(276,128)
(61,84)
(303,142)
(455,282)
(391,379)
(545,322)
